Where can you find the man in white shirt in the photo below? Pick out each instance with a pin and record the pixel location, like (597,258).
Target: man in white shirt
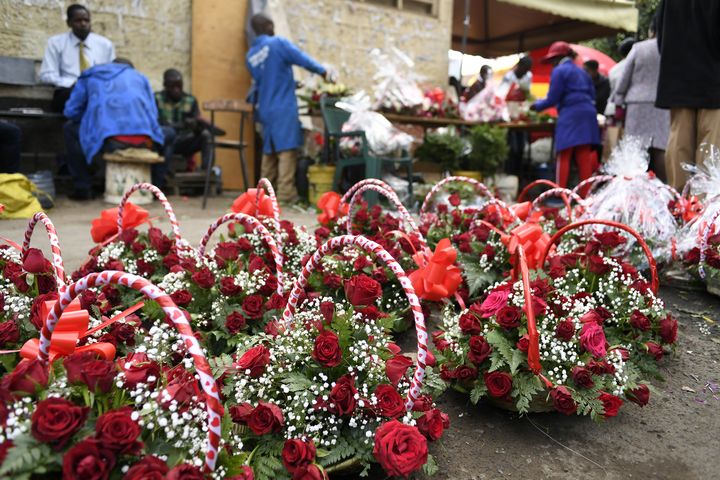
(68,54)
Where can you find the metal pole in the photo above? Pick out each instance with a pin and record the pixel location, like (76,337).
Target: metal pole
(466,26)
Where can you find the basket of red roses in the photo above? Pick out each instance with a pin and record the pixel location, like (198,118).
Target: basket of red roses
(155,413)
(323,394)
(583,340)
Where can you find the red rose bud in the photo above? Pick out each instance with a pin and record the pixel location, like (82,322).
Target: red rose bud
(639,321)
(310,472)
(255,360)
(640,395)
(253,306)
(265,418)
(185,471)
(297,453)
(592,339)
(362,290)
(433,423)
(565,330)
(149,468)
(9,333)
(470,324)
(593,316)
(399,449)
(246,473)
(34,262)
(138,368)
(499,384)
(563,401)
(389,402)
(654,350)
(508,317)
(439,341)
(88,459)
(480,349)
(235,322)
(26,378)
(241,412)
(117,431)
(203,278)
(55,421)
(273,328)
(327,309)
(326,350)
(465,374)
(115,264)
(668,329)
(228,287)
(182,298)
(611,404)
(228,251)
(396,368)
(624,354)
(146,269)
(524,343)
(342,396)
(582,377)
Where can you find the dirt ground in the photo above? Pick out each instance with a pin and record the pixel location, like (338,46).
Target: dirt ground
(674,437)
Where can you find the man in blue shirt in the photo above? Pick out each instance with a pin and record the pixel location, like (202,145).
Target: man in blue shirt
(270,62)
(112,106)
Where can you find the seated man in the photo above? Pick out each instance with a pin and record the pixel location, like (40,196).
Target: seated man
(10,137)
(185,133)
(111,107)
(69,54)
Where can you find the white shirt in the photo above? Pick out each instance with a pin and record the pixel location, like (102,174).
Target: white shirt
(61,63)
(509,79)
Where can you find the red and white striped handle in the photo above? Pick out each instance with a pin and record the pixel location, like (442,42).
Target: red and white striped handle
(212,397)
(479,187)
(57,259)
(592,181)
(267,185)
(368,246)
(703,243)
(565,194)
(368,181)
(255,224)
(174,225)
(499,203)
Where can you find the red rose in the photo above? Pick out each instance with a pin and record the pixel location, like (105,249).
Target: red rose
(88,460)
(235,322)
(185,471)
(565,330)
(466,374)
(327,309)
(582,377)
(256,263)
(399,449)
(27,376)
(99,375)
(342,396)
(361,263)
(439,341)
(37,304)
(563,401)
(182,386)
(655,350)
(494,302)
(244,244)
(362,290)
(159,241)
(310,472)
(148,468)
(332,280)
(508,317)
(138,368)
(255,360)
(182,298)
(499,384)
(592,339)
(138,247)
(146,269)
(423,403)
(203,278)
(228,287)
(125,331)
(327,349)
(276,302)
(668,329)
(246,473)
(228,251)
(640,395)
(524,343)
(480,349)
(470,324)
(611,404)
(9,333)
(639,320)
(380,276)
(171,260)
(396,368)
(597,265)
(253,306)
(593,316)
(117,431)
(297,453)
(55,421)
(389,402)
(241,412)
(265,418)
(454,200)
(128,236)
(115,264)
(433,423)
(270,286)
(34,262)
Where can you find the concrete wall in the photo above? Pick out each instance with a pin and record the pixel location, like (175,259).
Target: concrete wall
(341,33)
(154,34)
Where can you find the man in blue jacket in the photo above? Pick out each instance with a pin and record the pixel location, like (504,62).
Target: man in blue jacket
(270,62)
(112,106)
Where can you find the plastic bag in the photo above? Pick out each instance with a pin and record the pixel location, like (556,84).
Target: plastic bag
(396,83)
(636,198)
(486,106)
(16,195)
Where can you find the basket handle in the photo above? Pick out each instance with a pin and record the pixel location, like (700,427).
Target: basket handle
(255,224)
(563,193)
(655,281)
(390,195)
(479,187)
(703,244)
(369,246)
(57,260)
(212,398)
(591,181)
(267,185)
(533,184)
(174,225)
(368,181)
(504,206)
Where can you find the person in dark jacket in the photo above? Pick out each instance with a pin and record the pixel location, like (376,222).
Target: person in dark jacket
(688,37)
(601,83)
(576,132)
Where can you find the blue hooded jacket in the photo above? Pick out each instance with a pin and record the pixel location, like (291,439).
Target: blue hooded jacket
(112,99)
(270,62)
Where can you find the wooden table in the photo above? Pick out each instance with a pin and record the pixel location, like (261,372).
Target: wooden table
(435,122)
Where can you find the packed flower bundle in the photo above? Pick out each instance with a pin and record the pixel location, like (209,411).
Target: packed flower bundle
(583,338)
(326,393)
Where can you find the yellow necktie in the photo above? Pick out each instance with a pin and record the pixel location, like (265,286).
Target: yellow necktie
(84,63)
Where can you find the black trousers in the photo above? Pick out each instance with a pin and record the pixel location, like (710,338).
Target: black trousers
(10,143)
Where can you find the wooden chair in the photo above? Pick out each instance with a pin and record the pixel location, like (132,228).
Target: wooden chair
(230,106)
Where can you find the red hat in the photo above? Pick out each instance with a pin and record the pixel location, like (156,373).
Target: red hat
(557,49)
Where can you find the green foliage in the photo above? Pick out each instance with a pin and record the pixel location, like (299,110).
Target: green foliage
(489,149)
(341,451)
(220,364)
(296,382)
(525,386)
(608,45)
(431,467)
(502,350)
(265,461)
(443,148)
(588,402)
(476,278)
(29,457)
(478,391)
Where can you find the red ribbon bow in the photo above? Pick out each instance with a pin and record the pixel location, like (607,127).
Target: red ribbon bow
(688,208)
(105,226)
(254,202)
(533,240)
(331,207)
(438,277)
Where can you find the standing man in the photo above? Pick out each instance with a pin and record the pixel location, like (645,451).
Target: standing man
(483,75)
(689,81)
(179,117)
(270,62)
(601,83)
(69,54)
(515,87)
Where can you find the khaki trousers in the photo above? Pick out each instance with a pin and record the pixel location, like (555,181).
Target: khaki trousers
(280,169)
(689,128)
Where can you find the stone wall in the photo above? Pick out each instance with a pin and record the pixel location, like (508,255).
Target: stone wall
(340,33)
(154,34)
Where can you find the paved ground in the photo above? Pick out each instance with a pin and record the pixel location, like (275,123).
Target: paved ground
(675,437)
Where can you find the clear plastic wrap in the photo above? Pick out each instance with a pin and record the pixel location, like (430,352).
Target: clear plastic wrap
(636,198)
(486,106)
(396,83)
